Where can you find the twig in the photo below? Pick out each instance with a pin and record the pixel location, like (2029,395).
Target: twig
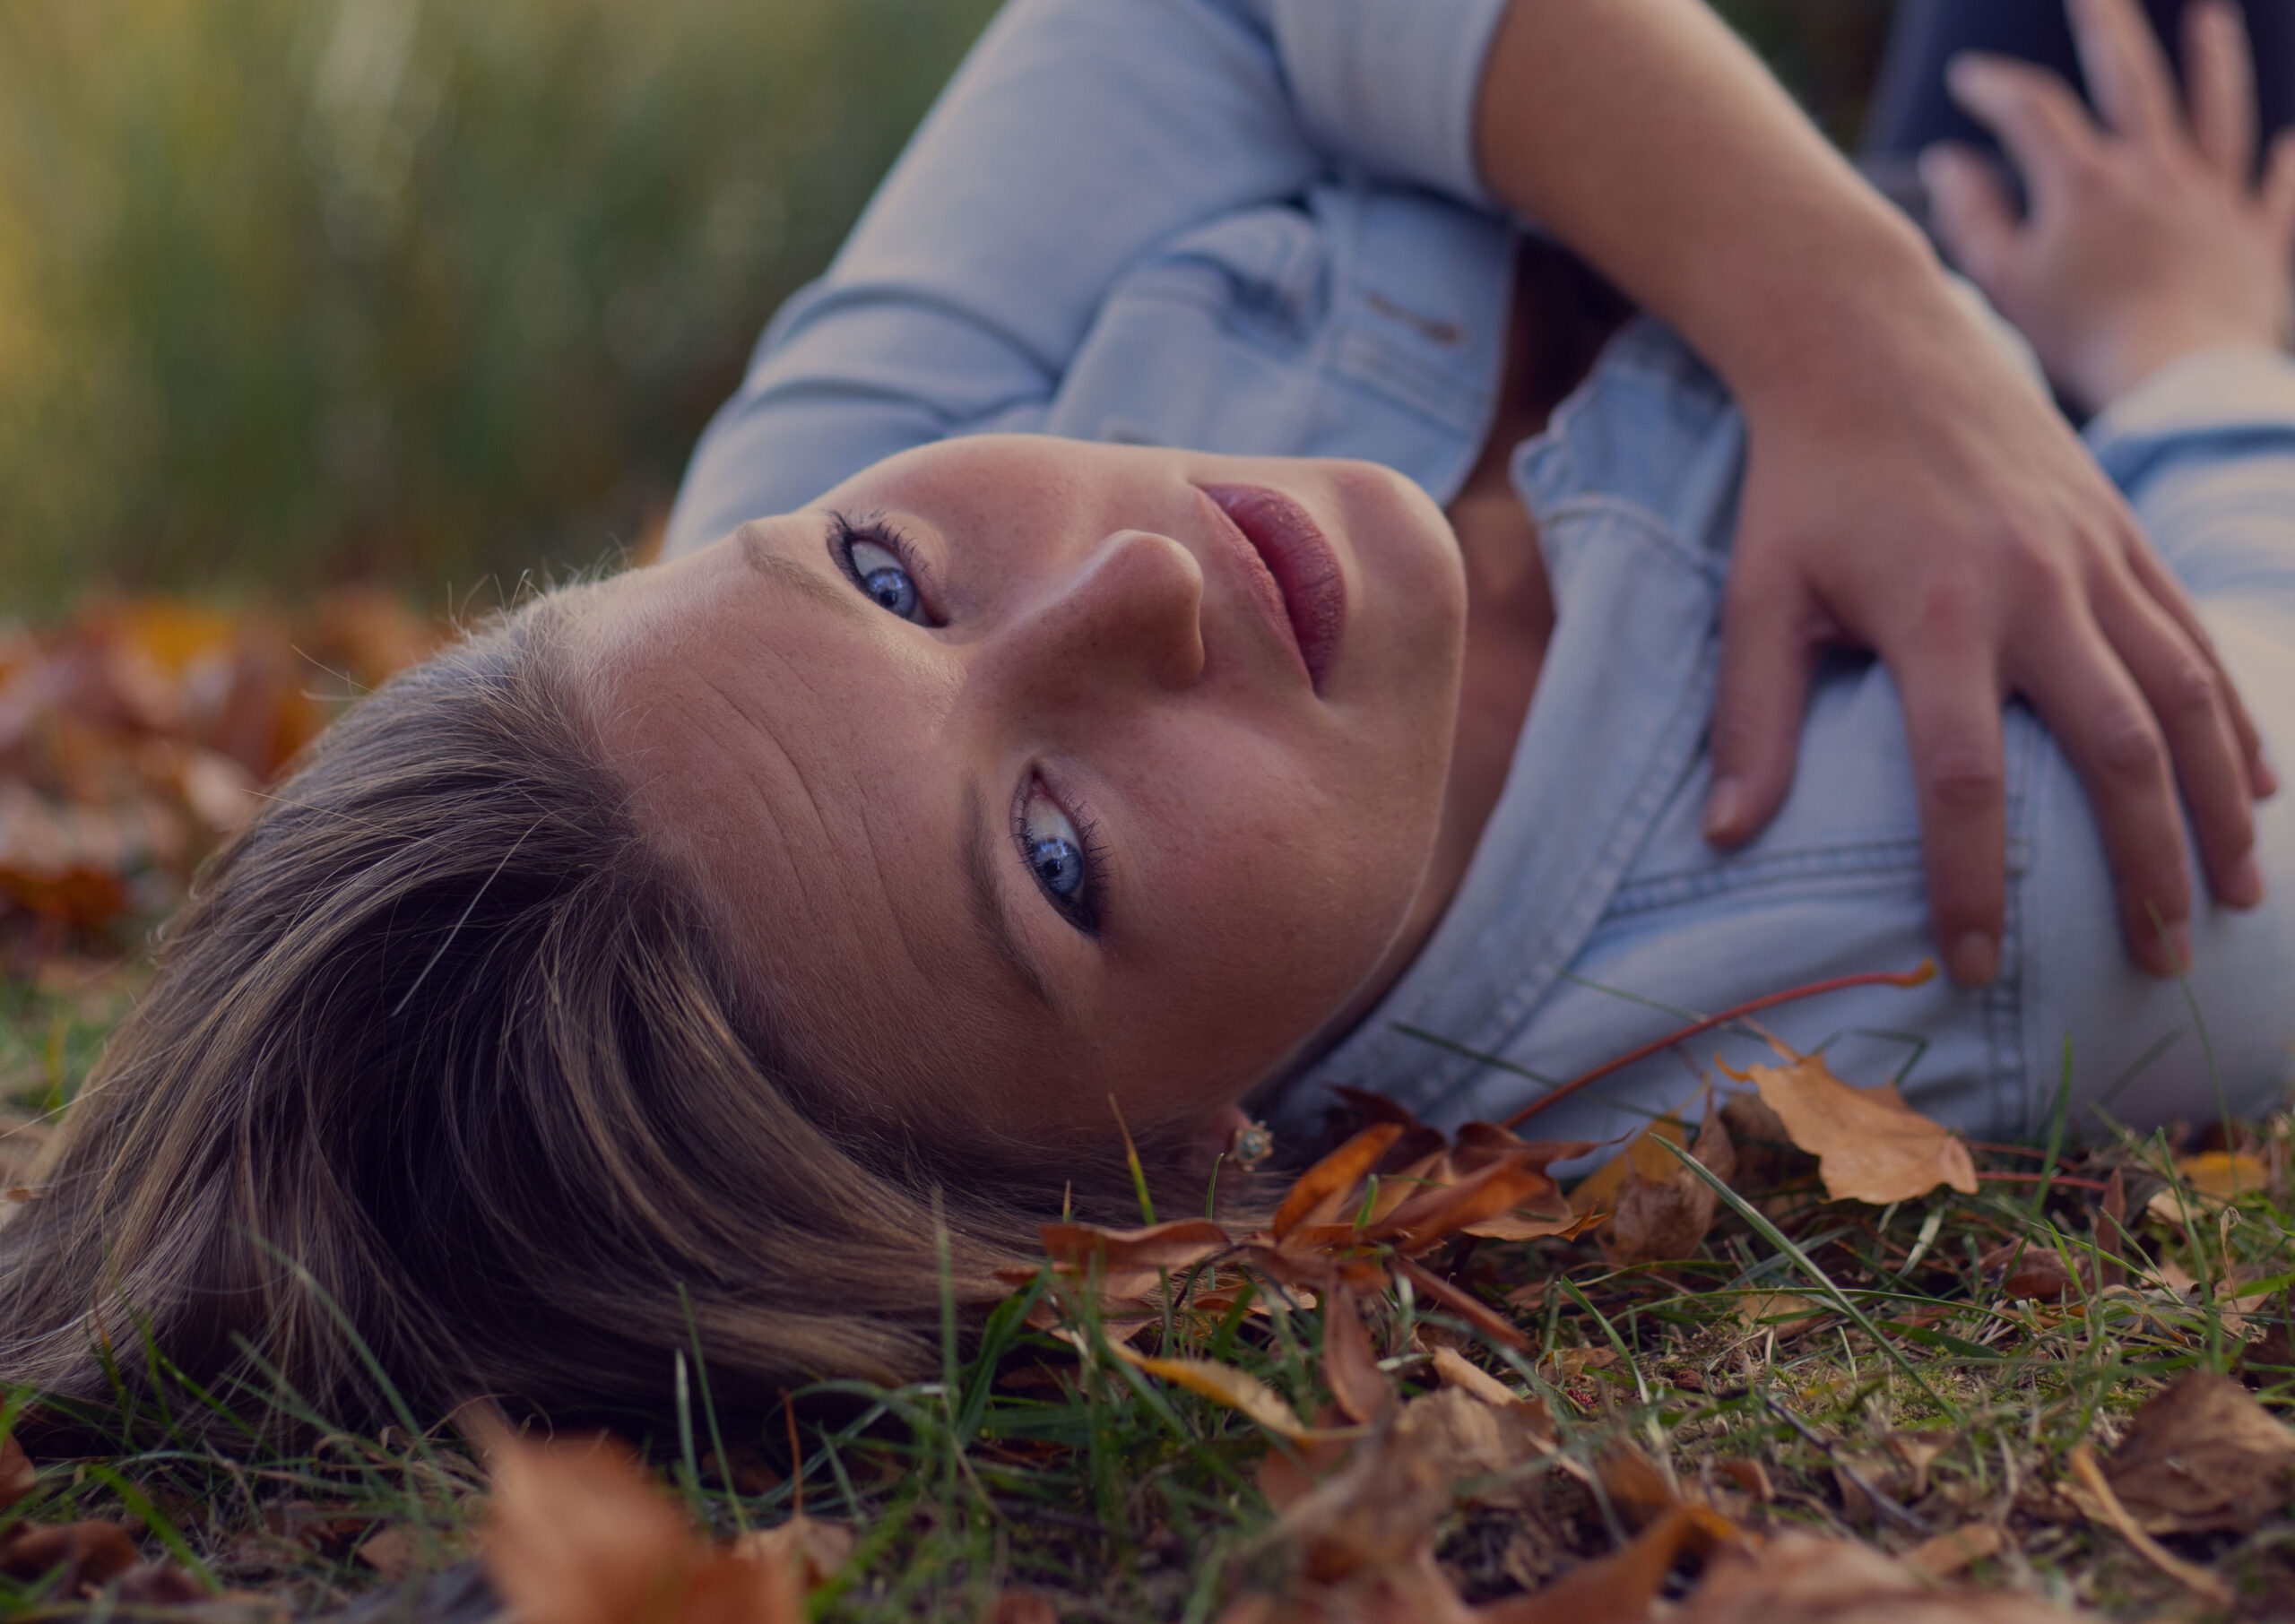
(1878,978)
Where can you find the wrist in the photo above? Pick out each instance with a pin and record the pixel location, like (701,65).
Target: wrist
(1869,310)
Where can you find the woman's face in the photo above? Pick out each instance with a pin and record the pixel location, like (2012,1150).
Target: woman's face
(1029,772)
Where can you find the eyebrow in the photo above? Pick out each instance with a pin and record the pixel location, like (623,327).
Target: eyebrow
(987,900)
(788,572)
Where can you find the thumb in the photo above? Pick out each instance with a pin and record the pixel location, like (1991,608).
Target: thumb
(1766,654)
(1969,210)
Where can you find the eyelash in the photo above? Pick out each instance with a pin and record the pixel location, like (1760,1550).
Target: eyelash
(1083,910)
(873,528)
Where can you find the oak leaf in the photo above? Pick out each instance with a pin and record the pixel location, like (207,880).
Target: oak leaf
(1802,1578)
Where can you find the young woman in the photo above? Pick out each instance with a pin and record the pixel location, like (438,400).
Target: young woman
(1201,680)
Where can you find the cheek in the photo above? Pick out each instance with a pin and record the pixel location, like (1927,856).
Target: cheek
(1269,893)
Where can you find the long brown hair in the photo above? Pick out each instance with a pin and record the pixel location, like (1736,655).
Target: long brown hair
(444,1055)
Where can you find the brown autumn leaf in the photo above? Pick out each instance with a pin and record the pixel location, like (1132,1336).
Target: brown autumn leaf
(580,1535)
(2204,1456)
(1662,1210)
(1617,1588)
(1239,1390)
(1503,1187)
(1320,1193)
(1021,1606)
(1801,1579)
(84,1556)
(17,1475)
(1870,1145)
(1350,1369)
(813,1550)
(1177,1245)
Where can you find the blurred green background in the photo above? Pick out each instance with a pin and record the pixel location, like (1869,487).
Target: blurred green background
(298,291)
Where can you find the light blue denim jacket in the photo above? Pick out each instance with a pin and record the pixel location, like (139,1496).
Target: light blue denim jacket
(1256,226)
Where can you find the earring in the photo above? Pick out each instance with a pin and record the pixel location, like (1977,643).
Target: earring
(1254,1144)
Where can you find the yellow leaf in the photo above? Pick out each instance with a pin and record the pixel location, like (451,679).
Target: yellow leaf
(1224,1384)
(1870,1145)
(2220,1175)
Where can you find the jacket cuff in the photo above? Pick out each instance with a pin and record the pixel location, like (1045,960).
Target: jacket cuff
(1392,83)
(2212,392)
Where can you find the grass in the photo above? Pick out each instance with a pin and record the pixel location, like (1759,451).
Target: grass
(1868,1362)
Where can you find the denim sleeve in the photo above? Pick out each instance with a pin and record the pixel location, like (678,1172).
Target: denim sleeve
(1077,136)
(2205,451)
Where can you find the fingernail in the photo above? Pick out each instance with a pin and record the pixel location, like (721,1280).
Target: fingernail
(2180,948)
(2267,777)
(1974,958)
(2243,888)
(1723,808)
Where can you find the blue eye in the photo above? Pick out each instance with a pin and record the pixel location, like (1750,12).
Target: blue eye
(1060,855)
(883,577)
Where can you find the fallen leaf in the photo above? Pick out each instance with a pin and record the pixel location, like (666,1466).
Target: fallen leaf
(1321,1190)
(2098,1500)
(1789,1313)
(1350,1369)
(1178,1244)
(2204,1456)
(812,1551)
(391,1550)
(1947,1553)
(1870,1145)
(2223,1174)
(1663,1209)
(1801,1579)
(1749,1475)
(1508,1186)
(580,1535)
(17,1475)
(84,1556)
(1021,1606)
(1239,1390)
(1617,1588)
(1767,1158)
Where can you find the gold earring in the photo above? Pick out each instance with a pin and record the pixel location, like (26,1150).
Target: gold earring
(1254,1144)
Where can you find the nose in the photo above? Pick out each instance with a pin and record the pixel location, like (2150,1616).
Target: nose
(1128,618)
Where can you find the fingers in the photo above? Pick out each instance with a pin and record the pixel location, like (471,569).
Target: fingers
(2039,121)
(2220,77)
(2105,725)
(1951,709)
(1767,648)
(1969,210)
(2168,593)
(2127,73)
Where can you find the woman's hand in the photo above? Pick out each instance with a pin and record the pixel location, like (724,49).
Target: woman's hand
(1909,490)
(2145,239)
(1928,503)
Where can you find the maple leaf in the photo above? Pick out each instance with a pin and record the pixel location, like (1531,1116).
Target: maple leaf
(1870,1145)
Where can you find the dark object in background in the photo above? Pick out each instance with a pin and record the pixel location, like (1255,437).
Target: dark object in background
(1911,107)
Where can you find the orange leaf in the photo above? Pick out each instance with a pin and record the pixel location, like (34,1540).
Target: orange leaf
(1870,1145)
(1436,1216)
(580,1535)
(1331,1179)
(1350,1369)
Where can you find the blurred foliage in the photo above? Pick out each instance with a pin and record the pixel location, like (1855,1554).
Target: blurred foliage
(292,291)
(1826,51)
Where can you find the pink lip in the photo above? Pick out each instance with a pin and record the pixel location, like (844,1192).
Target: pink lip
(1298,559)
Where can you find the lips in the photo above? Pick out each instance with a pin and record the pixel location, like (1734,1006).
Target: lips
(1299,561)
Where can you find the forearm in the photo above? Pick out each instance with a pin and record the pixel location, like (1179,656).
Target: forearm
(1645,135)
